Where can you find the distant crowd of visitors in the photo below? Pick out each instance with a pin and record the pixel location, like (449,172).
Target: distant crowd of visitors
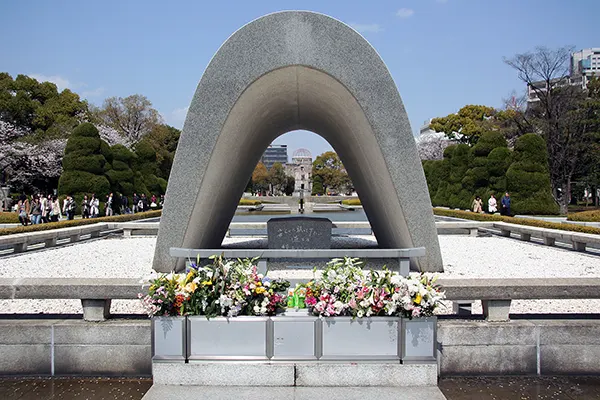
(477,205)
(40,208)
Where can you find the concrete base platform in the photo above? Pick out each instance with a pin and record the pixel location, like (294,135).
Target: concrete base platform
(172,392)
(222,373)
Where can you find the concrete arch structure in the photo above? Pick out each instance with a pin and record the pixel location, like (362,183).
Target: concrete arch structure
(286,71)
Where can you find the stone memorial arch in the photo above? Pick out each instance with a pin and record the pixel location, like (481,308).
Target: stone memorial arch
(286,71)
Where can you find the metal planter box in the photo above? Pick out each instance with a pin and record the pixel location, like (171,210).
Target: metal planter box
(239,338)
(295,336)
(168,338)
(377,338)
(419,340)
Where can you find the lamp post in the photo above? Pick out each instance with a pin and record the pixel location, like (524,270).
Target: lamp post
(301,209)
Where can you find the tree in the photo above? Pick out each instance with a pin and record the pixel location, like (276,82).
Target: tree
(132,117)
(277,177)
(121,175)
(555,114)
(431,147)
(39,108)
(467,125)
(260,178)
(330,172)
(164,139)
(29,167)
(290,184)
(84,164)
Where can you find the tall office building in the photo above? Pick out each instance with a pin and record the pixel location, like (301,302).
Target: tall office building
(273,154)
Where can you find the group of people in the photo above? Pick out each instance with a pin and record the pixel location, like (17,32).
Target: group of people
(477,205)
(39,209)
(43,209)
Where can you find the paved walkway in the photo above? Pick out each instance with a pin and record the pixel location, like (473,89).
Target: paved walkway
(162,392)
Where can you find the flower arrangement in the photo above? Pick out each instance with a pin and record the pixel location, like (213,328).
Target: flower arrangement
(345,289)
(225,288)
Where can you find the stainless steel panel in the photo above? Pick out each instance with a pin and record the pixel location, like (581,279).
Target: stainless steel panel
(168,338)
(294,338)
(419,339)
(365,338)
(227,338)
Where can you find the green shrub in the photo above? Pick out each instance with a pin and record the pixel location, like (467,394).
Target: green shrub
(79,222)
(84,164)
(585,216)
(528,180)
(519,221)
(9,218)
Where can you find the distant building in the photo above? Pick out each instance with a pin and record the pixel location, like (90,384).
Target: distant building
(301,169)
(273,154)
(584,65)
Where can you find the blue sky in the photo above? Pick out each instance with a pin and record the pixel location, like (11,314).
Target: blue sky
(443,54)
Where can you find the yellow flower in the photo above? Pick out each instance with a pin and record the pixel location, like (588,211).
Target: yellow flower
(207,283)
(189,276)
(260,290)
(190,287)
(418,299)
(258,284)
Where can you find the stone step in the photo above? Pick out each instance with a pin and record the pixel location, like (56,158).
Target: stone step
(304,374)
(173,392)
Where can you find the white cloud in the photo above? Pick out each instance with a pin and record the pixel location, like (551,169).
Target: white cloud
(405,12)
(363,28)
(59,81)
(93,93)
(176,117)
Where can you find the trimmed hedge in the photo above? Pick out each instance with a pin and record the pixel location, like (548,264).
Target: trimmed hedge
(585,216)
(352,202)
(9,218)
(79,222)
(249,202)
(519,221)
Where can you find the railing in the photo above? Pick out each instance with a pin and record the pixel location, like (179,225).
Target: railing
(496,294)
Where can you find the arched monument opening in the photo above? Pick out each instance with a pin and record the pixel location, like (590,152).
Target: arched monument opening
(282,72)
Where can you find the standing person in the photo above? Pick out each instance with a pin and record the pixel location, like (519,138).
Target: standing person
(36,211)
(144,202)
(109,206)
(23,207)
(125,204)
(70,207)
(477,205)
(492,204)
(85,207)
(45,208)
(162,201)
(135,202)
(153,201)
(94,206)
(55,214)
(505,204)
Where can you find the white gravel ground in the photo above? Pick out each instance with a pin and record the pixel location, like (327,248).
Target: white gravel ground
(464,257)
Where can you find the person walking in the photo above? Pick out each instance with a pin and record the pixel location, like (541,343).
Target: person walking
(94,206)
(45,208)
(55,213)
(124,204)
(144,202)
(109,206)
(36,211)
(505,205)
(492,204)
(85,207)
(135,202)
(70,207)
(477,205)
